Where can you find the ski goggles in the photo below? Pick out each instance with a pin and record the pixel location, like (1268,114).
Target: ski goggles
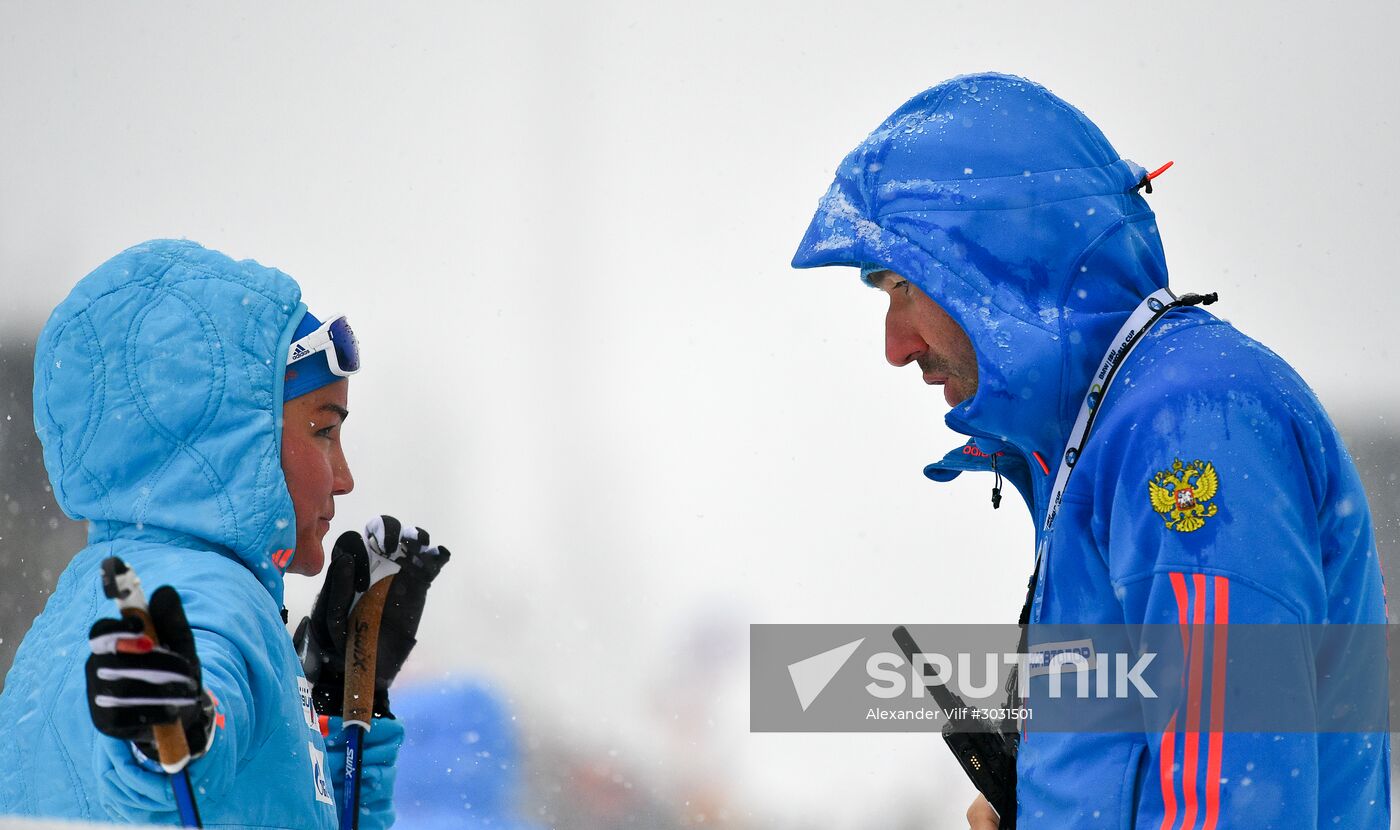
(337,340)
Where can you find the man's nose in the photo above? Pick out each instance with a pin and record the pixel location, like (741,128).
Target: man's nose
(903,345)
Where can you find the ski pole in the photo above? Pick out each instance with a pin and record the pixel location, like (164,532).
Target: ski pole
(361,652)
(121,585)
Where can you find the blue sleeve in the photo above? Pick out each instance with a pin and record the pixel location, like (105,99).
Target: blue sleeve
(381,750)
(1213,523)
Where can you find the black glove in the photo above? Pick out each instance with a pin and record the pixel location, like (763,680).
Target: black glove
(133,685)
(320,638)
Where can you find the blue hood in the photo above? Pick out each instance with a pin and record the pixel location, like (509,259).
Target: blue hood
(1011,210)
(158,399)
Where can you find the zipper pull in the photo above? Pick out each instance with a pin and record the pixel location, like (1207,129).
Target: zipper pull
(996,485)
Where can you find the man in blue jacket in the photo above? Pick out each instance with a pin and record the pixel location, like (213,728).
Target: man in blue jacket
(190,409)
(1026,276)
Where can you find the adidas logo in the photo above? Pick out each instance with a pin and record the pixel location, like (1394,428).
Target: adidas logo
(299,352)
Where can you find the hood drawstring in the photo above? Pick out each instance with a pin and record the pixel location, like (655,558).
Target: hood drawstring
(996,485)
(1147,180)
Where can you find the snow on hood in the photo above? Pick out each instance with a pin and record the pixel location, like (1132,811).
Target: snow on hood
(1010,209)
(158,399)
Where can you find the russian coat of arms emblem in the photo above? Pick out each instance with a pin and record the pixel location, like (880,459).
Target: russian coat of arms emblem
(1182,494)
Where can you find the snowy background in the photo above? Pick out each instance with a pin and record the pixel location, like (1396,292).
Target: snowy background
(562,234)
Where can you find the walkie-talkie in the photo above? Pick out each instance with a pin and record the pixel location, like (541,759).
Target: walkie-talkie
(986,754)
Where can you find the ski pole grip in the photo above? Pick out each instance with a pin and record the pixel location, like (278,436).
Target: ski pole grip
(174,751)
(361,651)
(122,586)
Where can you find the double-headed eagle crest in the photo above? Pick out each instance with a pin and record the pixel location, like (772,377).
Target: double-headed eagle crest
(1180,494)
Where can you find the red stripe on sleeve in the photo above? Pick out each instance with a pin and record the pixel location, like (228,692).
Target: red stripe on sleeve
(1217,701)
(1193,702)
(1167,750)
(1167,775)
(1179,589)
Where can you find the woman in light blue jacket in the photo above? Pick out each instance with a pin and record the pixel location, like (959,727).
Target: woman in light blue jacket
(173,424)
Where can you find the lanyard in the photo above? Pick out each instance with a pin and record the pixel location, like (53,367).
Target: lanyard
(1143,318)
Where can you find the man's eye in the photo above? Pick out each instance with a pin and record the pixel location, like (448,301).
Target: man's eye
(902,284)
(325,432)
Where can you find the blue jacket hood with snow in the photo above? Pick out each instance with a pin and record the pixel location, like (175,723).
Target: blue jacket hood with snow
(1012,211)
(158,397)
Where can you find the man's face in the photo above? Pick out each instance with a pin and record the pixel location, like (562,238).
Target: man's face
(918,330)
(314,465)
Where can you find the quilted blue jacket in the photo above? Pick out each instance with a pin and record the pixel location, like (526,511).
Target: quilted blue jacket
(158,398)
(1010,209)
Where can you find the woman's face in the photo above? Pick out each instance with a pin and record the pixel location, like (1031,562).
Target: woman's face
(313,462)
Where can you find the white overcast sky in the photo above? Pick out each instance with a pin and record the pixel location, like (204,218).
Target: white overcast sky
(562,232)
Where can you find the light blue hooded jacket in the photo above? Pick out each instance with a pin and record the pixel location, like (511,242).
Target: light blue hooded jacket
(158,398)
(1011,210)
